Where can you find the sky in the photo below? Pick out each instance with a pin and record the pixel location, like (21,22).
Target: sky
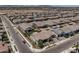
(39,2)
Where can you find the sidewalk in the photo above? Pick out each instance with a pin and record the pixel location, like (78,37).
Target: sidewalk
(46,47)
(68,50)
(10,39)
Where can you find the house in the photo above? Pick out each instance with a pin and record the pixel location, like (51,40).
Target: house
(75,28)
(39,19)
(58,32)
(66,31)
(3,48)
(70,30)
(44,35)
(24,26)
(49,22)
(39,24)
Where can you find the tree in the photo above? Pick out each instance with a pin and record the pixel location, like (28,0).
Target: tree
(76,47)
(66,35)
(40,43)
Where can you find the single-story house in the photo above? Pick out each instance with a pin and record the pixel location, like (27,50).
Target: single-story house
(3,48)
(24,26)
(43,35)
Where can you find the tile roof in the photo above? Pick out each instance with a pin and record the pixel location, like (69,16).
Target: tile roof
(42,35)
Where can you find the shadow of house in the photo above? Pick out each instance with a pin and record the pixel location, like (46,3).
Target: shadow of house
(44,36)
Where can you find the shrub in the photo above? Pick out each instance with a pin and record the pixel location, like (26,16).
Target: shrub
(40,43)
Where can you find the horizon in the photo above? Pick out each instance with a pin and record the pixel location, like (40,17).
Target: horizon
(39,5)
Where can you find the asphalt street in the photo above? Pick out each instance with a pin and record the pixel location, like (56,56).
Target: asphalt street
(63,46)
(23,48)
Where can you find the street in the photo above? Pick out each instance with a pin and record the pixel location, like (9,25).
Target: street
(63,46)
(23,48)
